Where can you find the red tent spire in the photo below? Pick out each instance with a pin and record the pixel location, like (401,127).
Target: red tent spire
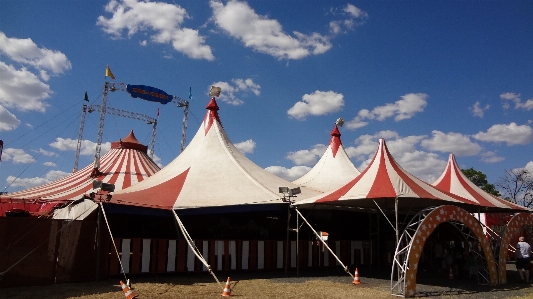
(335,140)
(212,114)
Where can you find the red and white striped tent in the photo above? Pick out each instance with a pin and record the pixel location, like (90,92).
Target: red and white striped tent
(126,164)
(381,183)
(210,172)
(333,170)
(453,180)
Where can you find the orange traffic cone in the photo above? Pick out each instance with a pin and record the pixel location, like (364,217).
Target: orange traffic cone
(356,279)
(128,293)
(227,290)
(450,276)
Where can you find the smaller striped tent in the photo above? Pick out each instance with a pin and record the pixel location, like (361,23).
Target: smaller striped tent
(453,180)
(381,183)
(333,170)
(126,164)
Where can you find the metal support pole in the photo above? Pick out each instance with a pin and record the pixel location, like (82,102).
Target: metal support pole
(297,247)
(397,231)
(287,244)
(98,244)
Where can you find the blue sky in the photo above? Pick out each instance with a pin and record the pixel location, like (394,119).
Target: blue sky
(431,77)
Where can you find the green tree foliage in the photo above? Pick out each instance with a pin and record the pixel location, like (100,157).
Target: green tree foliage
(480,179)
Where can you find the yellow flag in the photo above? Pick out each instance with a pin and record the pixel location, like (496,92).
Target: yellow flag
(108,73)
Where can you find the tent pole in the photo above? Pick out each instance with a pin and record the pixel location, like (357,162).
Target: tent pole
(297,249)
(396,229)
(98,243)
(287,244)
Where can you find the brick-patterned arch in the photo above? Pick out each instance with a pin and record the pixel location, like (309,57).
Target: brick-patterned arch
(427,226)
(512,232)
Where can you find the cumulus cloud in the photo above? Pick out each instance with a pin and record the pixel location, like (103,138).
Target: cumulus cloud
(407,107)
(21,89)
(26,52)
(265,35)
(164,19)
(317,103)
(491,157)
(511,134)
(515,98)
(46,153)
(17,155)
(87,147)
(289,174)
(451,142)
(353,16)
(479,111)
(50,164)
(307,157)
(231,92)
(51,176)
(8,121)
(246,147)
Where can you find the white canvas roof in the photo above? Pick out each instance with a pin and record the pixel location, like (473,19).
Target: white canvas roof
(383,180)
(453,180)
(210,172)
(333,170)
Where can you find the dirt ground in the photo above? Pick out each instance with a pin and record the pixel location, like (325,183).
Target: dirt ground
(333,283)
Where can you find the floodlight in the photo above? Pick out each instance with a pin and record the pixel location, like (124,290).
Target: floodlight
(92,195)
(108,187)
(283,189)
(339,122)
(108,197)
(294,191)
(97,184)
(215,91)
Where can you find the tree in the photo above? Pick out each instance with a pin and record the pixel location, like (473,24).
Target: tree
(480,179)
(517,186)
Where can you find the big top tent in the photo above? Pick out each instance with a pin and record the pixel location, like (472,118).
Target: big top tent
(210,172)
(382,182)
(126,164)
(333,170)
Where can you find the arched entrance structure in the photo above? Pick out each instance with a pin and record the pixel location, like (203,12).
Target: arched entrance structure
(515,228)
(411,244)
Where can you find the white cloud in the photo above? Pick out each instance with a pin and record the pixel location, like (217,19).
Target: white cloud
(26,52)
(265,35)
(21,89)
(451,142)
(157,161)
(317,103)
(511,134)
(479,111)
(529,166)
(352,14)
(27,183)
(289,174)
(355,12)
(47,153)
(246,147)
(307,157)
(491,157)
(8,121)
(240,86)
(17,155)
(407,107)
(87,147)
(515,98)
(49,164)
(163,18)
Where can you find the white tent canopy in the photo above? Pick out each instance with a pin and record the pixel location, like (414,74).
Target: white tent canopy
(333,170)
(210,172)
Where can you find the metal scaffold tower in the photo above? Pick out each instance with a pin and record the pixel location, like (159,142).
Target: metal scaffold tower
(103,109)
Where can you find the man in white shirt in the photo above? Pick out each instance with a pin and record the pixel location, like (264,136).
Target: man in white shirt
(523,251)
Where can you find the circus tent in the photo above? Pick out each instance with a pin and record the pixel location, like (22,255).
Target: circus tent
(333,170)
(126,164)
(454,181)
(210,172)
(382,182)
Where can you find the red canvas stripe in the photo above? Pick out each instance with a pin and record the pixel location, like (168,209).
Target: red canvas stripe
(482,200)
(446,182)
(126,182)
(382,186)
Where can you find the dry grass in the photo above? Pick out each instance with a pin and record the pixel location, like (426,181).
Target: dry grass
(263,285)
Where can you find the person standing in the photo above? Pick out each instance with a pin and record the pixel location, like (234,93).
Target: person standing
(523,250)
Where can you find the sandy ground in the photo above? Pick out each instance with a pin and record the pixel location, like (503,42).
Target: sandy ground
(333,283)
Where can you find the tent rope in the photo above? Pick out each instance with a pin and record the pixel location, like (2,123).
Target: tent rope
(195,249)
(325,244)
(113,240)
